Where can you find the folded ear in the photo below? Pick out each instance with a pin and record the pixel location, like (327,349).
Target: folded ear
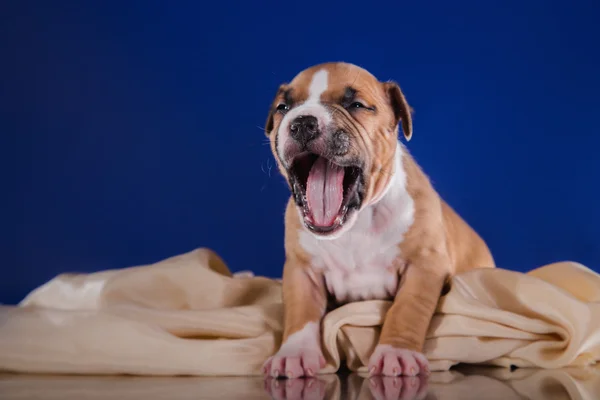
(273,109)
(402,111)
(269,124)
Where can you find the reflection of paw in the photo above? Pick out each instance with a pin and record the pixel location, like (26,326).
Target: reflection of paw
(292,389)
(390,361)
(303,362)
(398,388)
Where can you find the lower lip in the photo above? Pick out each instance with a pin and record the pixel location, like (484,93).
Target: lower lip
(339,221)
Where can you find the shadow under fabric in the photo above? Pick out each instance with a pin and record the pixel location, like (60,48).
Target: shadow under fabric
(188,315)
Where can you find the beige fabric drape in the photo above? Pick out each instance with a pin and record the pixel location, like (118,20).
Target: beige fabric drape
(188,315)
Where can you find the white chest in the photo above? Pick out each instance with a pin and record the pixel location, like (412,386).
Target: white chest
(363,263)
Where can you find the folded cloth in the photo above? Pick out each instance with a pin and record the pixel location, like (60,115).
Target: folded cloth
(189,315)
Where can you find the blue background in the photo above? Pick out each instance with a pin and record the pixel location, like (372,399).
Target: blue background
(131,131)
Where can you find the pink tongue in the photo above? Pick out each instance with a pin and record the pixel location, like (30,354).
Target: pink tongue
(325,191)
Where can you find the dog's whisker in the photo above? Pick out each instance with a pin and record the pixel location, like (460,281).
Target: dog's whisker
(268,169)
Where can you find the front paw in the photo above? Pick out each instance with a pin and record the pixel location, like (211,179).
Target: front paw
(391,361)
(294,363)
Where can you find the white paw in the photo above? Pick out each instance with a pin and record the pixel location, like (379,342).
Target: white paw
(390,361)
(299,356)
(304,362)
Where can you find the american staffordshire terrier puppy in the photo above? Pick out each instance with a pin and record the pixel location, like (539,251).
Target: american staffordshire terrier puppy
(363,221)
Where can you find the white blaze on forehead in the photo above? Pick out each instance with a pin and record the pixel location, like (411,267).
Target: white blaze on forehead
(311,106)
(318,85)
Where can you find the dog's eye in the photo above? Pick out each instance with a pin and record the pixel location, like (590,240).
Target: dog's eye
(283,108)
(358,104)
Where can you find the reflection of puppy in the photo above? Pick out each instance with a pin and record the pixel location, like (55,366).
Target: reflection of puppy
(332,387)
(298,389)
(363,221)
(398,388)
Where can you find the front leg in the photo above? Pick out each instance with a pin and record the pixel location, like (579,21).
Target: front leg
(400,346)
(304,302)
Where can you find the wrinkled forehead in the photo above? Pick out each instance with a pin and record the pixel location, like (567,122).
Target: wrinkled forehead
(329,83)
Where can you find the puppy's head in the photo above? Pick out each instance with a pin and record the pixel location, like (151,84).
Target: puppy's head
(333,131)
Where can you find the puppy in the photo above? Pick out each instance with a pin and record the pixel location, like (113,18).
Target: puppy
(363,221)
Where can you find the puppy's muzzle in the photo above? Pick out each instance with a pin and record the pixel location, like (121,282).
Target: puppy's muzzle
(304,129)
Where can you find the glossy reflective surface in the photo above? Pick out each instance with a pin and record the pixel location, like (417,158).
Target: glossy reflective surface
(480,383)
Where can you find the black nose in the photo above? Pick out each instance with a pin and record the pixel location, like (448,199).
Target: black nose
(304,128)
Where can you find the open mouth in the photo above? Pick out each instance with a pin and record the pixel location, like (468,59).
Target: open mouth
(326,192)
